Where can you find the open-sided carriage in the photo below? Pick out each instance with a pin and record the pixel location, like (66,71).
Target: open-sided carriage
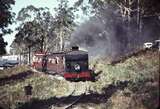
(72,65)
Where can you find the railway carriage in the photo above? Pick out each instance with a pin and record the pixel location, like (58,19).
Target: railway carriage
(72,65)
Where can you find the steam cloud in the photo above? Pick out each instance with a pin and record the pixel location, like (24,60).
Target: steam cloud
(108,35)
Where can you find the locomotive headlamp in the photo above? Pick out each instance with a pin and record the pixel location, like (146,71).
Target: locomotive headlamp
(77,67)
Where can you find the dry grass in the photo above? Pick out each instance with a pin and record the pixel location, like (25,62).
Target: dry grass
(136,68)
(142,93)
(143,73)
(43,88)
(13,71)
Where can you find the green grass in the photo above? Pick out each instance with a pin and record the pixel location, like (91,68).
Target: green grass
(43,88)
(136,68)
(143,73)
(13,71)
(141,70)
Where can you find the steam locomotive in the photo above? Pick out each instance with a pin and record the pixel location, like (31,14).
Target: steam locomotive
(72,65)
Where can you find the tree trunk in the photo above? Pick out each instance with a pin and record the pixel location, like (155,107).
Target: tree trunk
(29,55)
(61,43)
(139,24)
(20,59)
(42,43)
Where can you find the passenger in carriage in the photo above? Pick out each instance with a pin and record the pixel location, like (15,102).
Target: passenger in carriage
(44,64)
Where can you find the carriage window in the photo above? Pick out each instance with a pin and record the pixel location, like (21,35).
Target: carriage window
(57,60)
(53,61)
(39,60)
(50,61)
(34,58)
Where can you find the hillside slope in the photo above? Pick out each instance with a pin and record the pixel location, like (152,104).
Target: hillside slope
(135,79)
(130,84)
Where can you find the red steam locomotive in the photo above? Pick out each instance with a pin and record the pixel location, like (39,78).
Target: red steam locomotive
(72,65)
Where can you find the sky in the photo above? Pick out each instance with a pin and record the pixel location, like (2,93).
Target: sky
(19,4)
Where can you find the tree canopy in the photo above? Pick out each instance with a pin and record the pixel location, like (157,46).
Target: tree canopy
(43,31)
(64,21)
(35,31)
(6,16)
(46,32)
(2,45)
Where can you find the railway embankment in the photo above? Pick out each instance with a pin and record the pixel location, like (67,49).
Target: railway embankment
(129,84)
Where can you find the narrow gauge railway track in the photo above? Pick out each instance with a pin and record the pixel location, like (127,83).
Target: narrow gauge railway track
(68,99)
(74,102)
(61,101)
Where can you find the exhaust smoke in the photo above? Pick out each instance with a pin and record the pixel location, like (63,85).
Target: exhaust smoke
(109,35)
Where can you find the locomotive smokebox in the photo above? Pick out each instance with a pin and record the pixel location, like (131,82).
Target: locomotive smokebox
(75,48)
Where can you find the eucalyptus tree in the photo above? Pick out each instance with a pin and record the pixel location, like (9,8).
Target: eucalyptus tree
(119,21)
(135,13)
(25,36)
(6,15)
(129,9)
(37,28)
(2,46)
(6,18)
(64,21)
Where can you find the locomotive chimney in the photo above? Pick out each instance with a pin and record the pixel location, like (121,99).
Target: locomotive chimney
(75,48)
